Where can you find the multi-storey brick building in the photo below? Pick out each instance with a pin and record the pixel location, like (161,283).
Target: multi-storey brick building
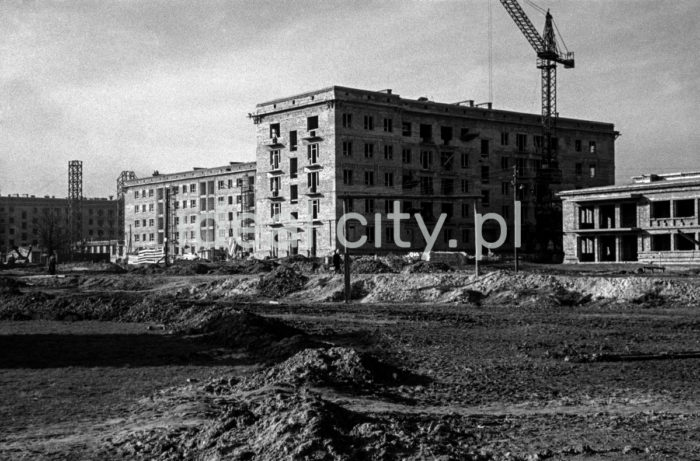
(654,219)
(335,147)
(194,212)
(27,220)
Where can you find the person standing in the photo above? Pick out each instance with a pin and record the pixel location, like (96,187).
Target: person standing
(52,263)
(337,261)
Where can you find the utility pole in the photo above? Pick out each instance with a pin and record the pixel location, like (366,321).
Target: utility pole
(166,231)
(515,199)
(476,258)
(346,254)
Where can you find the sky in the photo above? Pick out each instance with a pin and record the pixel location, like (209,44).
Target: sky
(167,85)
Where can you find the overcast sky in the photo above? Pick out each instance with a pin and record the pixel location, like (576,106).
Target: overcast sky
(167,85)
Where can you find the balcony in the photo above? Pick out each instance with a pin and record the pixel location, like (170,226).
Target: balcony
(312,135)
(312,191)
(275,169)
(275,141)
(313,167)
(673,222)
(275,196)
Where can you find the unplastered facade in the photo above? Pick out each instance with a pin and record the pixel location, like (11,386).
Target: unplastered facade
(194,212)
(655,219)
(338,147)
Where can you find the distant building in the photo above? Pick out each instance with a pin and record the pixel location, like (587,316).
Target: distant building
(653,219)
(39,222)
(368,148)
(193,212)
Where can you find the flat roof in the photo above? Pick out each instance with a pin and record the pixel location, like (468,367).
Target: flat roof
(388,97)
(641,183)
(195,173)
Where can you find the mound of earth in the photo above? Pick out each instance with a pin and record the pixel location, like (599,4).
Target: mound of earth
(427,267)
(281,282)
(303,264)
(10,286)
(370,266)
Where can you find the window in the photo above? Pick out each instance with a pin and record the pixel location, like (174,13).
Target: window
(538,141)
(684,208)
(426,185)
(388,152)
(275,186)
(347,148)
(314,208)
(239,198)
(369,122)
(312,181)
(275,210)
(151,222)
(230,183)
(661,209)
(347,177)
(274,159)
(577,145)
(389,179)
(203,203)
(312,153)
(591,170)
(426,159)
(661,242)
(505,188)
(150,207)
(464,186)
(221,200)
(504,163)
(193,203)
(446,160)
(184,188)
(592,147)
(293,141)
(369,205)
(230,199)
(210,186)
(137,223)
(446,135)
(406,128)
(388,125)
(369,150)
(293,168)
(137,237)
(579,169)
(464,160)
(406,155)
(485,174)
(150,192)
(370,234)
(347,120)
(448,186)
(294,193)
(484,147)
(221,185)
(274,130)
(485,198)
(369,178)
(193,188)
(504,138)
(521,142)
(426,133)
(136,194)
(312,123)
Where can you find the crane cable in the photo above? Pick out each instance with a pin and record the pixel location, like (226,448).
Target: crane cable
(490,35)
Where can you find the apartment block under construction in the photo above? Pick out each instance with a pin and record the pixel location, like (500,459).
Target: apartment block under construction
(342,149)
(193,212)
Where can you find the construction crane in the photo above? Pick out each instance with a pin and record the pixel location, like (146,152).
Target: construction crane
(548,55)
(548,215)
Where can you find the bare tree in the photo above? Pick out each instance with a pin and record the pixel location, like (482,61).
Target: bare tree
(52,231)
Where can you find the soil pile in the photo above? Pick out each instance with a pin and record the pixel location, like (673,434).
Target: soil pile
(370,266)
(281,282)
(427,267)
(303,264)
(10,286)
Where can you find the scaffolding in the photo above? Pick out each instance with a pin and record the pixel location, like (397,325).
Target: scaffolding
(75,199)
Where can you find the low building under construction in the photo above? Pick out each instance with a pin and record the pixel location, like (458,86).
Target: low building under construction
(655,219)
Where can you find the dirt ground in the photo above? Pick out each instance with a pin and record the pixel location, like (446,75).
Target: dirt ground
(232,363)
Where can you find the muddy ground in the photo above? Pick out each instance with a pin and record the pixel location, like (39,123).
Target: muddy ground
(231,363)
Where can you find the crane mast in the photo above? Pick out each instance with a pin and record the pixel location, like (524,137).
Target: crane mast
(548,55)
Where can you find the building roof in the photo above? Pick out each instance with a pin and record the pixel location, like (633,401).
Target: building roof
(645,182)
(195,173)
(387,97)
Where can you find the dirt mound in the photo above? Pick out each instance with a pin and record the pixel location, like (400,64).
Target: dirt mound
(427,267)
(303,264)
(281,282)
(370,266)
(10,286)
(262,336)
